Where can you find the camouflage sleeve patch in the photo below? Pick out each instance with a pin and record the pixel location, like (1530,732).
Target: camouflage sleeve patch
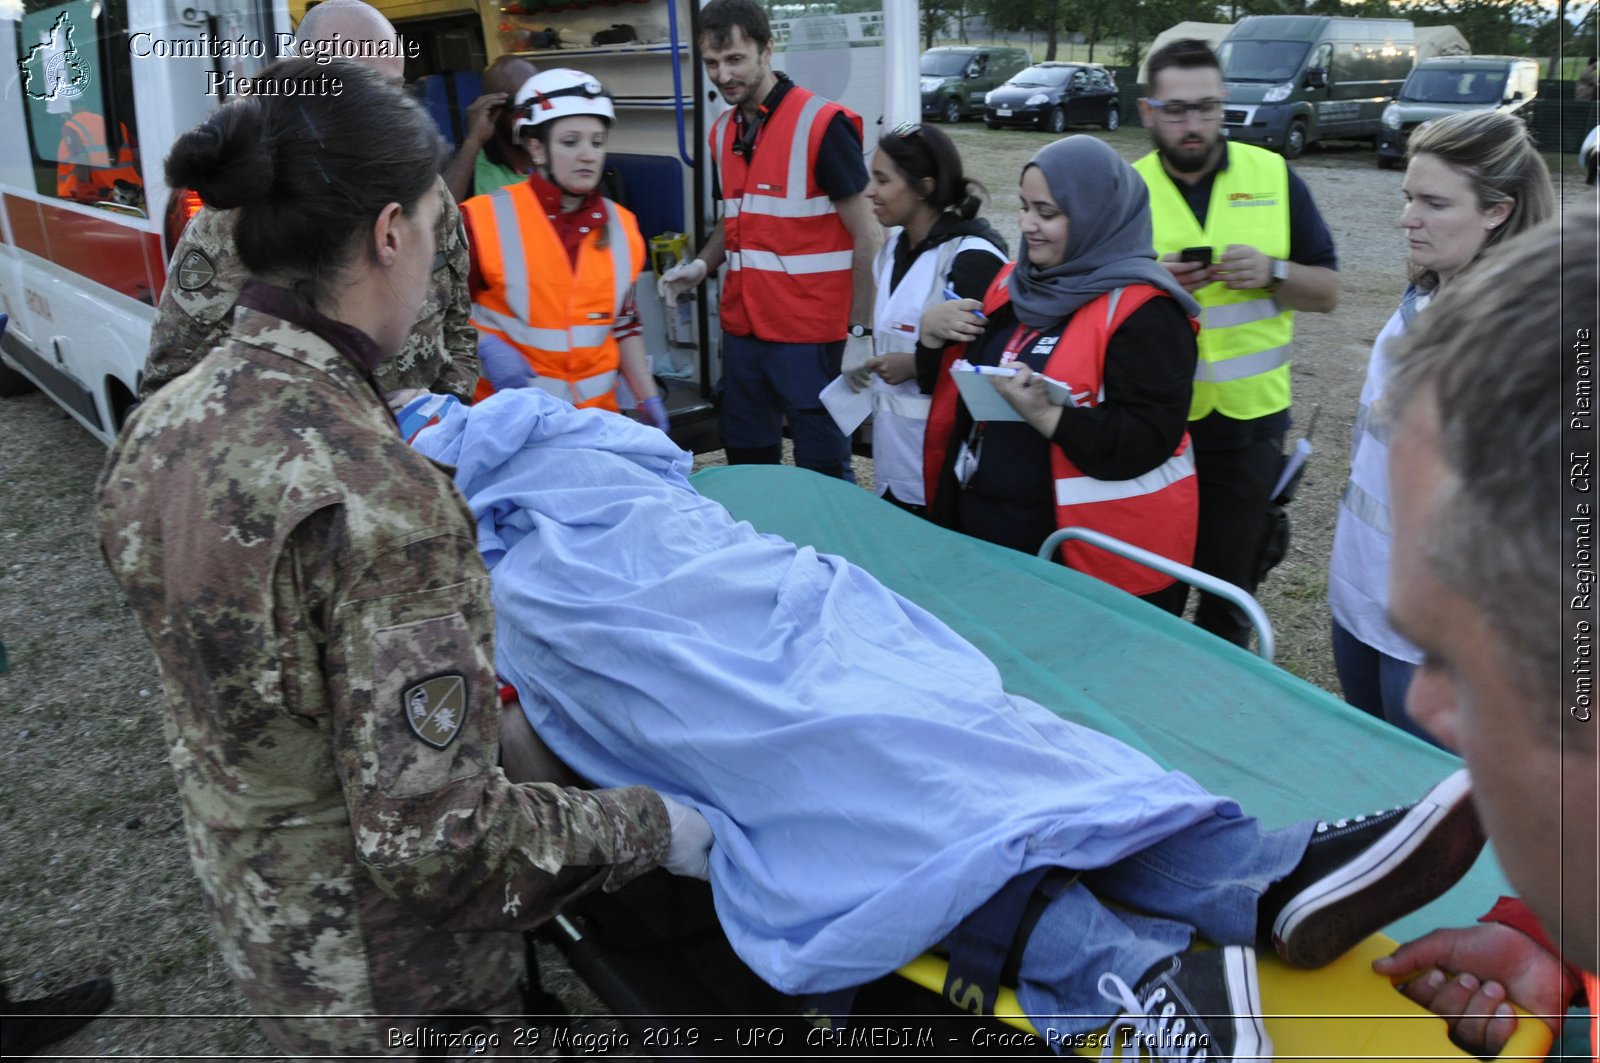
(410,659)
(196,308)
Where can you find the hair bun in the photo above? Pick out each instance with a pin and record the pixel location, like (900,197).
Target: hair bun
(226,159)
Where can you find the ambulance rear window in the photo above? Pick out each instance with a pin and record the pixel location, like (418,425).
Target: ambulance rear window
(77,85)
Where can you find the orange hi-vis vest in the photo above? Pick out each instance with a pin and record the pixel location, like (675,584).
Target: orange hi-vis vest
(84,169)
(1158,511)
(789,253)
(560,319)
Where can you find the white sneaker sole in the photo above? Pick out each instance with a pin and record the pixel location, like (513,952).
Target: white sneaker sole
(1251,1042)
(1416,861)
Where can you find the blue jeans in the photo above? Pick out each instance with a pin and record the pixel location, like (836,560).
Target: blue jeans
(1206,880)
(763,383)
(1374,682)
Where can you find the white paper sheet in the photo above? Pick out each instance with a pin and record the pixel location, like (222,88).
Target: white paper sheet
(848,408)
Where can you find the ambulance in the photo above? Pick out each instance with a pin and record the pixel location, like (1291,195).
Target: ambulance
(98,90)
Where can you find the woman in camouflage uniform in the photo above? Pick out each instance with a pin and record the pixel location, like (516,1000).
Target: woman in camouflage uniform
(321,615)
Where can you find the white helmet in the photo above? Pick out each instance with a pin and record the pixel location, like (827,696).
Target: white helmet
(560,93)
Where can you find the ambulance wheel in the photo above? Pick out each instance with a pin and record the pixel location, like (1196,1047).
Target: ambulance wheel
(14,383)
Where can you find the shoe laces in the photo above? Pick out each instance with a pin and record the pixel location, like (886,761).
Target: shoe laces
(1340,824)
(1163,1033)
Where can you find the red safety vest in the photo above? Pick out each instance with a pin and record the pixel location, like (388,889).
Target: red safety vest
(1157,511)
(560,319)
(789,253)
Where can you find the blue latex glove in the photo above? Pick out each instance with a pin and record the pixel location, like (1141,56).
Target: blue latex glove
(654,411)
(502,364)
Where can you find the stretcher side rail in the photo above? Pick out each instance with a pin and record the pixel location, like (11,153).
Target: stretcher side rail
(1266,645)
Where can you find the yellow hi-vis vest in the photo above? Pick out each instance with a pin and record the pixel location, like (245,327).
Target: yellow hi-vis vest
(1243,371)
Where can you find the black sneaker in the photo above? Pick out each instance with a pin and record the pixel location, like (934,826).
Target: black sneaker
(1359,875)
(28,1025)
(1198,1005)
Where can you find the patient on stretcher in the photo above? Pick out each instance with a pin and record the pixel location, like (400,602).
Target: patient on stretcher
(872,788)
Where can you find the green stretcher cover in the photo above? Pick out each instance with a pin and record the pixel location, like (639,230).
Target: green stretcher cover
(1281,747)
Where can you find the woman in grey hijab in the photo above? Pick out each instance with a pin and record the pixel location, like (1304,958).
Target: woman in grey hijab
(1086,305)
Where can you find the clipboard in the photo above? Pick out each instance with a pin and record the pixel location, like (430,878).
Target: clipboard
(976,384)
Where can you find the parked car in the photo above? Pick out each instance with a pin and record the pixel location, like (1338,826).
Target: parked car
(1295,79)
(1438,87)
(1052,96)
(956,79)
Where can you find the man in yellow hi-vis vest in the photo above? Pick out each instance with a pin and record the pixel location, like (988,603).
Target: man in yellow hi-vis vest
(1240,232)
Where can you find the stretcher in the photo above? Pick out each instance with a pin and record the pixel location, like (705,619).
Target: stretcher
(1284,749)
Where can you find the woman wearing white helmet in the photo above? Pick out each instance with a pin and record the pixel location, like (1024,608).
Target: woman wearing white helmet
(554,262)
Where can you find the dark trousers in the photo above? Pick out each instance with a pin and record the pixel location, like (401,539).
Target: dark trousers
(1235,486)
(1171,598)
(763,385)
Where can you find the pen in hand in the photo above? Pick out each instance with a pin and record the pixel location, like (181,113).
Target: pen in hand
(951,296)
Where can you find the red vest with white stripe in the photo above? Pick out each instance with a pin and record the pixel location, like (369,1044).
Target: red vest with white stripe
(1157,511)
(789,253)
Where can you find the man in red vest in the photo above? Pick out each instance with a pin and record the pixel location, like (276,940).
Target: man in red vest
(1493,577)
(798,237)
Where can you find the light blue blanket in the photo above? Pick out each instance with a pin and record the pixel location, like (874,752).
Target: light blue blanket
(868,781)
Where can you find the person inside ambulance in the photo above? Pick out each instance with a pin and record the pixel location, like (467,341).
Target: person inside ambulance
(554,261)
(1086,304)
(491,155)
(87,171)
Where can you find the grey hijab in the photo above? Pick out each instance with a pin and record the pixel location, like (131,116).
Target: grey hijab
(1108,235)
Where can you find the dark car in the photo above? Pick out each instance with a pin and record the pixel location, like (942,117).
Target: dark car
(956,79)
(1052,96)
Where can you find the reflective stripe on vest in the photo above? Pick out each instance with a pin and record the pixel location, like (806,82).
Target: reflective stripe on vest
(1245,338)
(1239,313)
(912,407)
(1076,490)
(827,262)
(1366,509)
(577,392)
(563,325)
(1241,368)
(788,252)
(90,131)
(1378,428)
(1157,510)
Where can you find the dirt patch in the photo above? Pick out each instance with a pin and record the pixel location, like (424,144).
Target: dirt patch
(95,874)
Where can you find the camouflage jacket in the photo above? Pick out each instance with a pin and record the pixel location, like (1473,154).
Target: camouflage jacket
(205,277)
(322,622)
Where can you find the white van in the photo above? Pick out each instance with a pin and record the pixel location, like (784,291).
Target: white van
(100,90)
(87,223)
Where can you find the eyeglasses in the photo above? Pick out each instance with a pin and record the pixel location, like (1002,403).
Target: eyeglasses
(906,129)
(1176,111)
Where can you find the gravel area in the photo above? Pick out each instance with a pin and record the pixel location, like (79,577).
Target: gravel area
(94,870)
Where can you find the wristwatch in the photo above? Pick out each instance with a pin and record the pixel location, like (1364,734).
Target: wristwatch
(1280,273)
(858,330)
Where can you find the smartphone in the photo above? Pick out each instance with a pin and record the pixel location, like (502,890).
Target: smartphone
(1202,255)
